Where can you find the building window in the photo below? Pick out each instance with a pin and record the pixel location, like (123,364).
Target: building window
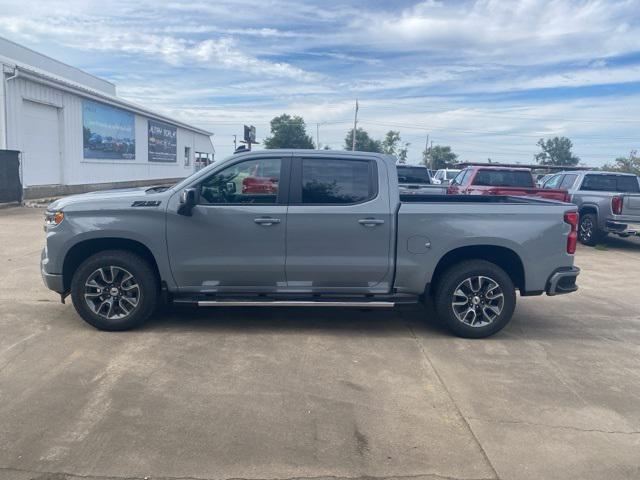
(203,159)
(187,156)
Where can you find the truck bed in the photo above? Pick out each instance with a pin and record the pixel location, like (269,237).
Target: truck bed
(473,199)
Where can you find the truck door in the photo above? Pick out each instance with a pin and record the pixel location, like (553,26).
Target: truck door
(339,226)
(235,238)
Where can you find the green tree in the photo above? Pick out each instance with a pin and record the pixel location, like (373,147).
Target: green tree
(289,132)
(364,143)
(556,151)
(393,145)
(439,156)
(630,164)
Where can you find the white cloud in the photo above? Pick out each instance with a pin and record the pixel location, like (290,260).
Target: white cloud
(477,74)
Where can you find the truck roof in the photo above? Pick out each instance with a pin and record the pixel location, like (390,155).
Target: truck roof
(510,169)
(309,152)
(597,172)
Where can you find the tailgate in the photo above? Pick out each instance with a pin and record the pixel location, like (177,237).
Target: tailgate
(631,204)
(547,193)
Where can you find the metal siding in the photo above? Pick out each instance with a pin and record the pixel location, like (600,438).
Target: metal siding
(76,170)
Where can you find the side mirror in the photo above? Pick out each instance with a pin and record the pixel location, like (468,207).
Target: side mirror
(231,187)
(187,201)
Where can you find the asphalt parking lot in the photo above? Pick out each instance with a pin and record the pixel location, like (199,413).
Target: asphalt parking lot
(303,393)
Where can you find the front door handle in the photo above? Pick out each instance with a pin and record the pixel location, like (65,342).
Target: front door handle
(266,221)
(370,222)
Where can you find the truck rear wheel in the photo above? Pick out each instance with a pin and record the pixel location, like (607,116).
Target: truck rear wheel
(114,290)
(475,298)
(588,231)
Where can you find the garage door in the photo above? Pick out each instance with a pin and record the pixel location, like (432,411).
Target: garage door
(40,144)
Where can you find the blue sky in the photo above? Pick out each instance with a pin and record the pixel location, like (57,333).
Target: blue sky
(488,77)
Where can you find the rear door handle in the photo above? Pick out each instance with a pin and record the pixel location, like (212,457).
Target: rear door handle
(266,221)
(370,222)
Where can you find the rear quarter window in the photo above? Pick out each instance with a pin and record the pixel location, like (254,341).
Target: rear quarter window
(611,183)
(503,178)
(413,175)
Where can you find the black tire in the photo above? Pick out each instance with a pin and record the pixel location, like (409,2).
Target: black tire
(588,232)
(485,321)
(146,293)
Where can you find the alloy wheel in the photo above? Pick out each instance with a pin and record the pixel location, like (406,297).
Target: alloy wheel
(477,301)
(112,292)
(586,229)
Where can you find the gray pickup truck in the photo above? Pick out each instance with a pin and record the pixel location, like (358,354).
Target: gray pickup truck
(608,202)
(305,228)
(416,180)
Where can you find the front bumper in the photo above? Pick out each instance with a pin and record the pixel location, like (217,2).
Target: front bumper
(52,281)
(562,281)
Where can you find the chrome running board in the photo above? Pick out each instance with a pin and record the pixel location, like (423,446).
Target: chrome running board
(293,303)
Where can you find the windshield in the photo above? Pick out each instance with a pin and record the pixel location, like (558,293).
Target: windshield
(413,175)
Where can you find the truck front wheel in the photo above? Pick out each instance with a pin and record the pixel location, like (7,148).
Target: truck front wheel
(475,298)
(114,290)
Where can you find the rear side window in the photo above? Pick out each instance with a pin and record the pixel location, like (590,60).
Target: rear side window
(568,181)
(328,181)
(610,183)
(413,175)
(503,178)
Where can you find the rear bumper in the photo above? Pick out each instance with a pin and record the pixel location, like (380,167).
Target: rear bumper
(563,281)
(623,228)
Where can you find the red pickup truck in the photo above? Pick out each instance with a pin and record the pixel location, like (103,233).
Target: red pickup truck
(501,181)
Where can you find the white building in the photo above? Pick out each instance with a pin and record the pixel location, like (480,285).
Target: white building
(74,134)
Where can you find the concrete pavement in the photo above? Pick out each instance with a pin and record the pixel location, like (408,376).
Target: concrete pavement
(303,393)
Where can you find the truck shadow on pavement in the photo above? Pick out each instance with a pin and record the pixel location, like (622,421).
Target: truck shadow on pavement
(615,243)
(338,321)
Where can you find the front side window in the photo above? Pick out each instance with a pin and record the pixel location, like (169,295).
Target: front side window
(553,182)
(466,179)
(459,178)
(327,181)
(253,181)
(451,174)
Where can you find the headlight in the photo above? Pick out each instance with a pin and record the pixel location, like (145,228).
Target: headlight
(51,219)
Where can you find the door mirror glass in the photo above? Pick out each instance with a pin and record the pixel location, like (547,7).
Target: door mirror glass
(187,201)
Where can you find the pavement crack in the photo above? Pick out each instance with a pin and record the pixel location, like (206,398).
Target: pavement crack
(559,427)
(444,386)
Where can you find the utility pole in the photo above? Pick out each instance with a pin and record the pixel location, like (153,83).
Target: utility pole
(430,157)
(425,160)
(317,136)
(355,126)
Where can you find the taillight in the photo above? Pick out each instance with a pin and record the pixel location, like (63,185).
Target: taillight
(572,219)
(616,205)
